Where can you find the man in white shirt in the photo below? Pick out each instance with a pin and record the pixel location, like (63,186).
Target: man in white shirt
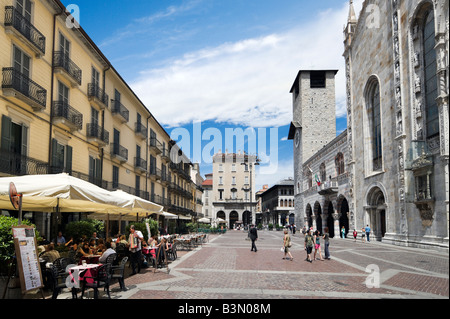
(135,240)
(108,251)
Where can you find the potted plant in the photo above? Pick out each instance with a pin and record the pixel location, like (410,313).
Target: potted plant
(270,226)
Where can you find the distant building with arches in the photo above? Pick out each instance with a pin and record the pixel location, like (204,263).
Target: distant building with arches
(389,169)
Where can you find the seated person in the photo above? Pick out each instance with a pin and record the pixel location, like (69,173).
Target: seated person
(101,248)
(106,253)
(84,250)
(50,254)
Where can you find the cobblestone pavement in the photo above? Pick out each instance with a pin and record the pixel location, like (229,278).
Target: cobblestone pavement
(225,268)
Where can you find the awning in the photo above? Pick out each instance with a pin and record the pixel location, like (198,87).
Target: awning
(204,220)
(57,192)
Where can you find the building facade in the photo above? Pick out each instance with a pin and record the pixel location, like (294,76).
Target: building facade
(397,144)
(232,195)
(65,108)
(277,203)
(207,185)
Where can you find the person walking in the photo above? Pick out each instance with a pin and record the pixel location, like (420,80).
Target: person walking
(326,239)
(317,245)
(308,245)
(343,232)
(363,235)
(135,241)
(253,233)
(367,229)
(355,234)
(287,245)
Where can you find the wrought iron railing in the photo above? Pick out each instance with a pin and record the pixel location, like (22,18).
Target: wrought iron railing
(119,108)
(97,92)
(61,60)
(96,131)
(62,109)
(140,163)
(14,79)
(15,19)
(18,165)
(141,129)
(119,150)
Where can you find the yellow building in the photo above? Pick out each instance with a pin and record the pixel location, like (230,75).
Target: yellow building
(64,108)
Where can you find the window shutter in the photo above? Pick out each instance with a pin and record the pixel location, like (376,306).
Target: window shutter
(6,133)
(69,151)
(24,140)
(98,170)
(54,153)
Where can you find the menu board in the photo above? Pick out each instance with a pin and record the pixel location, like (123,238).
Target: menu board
(27,258)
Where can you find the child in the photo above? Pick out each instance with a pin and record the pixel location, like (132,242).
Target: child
(355,233)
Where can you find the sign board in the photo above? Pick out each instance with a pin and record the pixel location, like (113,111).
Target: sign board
(27,258)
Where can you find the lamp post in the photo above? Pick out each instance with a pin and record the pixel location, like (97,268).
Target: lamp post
(251,197)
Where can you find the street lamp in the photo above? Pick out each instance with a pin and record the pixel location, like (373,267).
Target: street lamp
(251,197)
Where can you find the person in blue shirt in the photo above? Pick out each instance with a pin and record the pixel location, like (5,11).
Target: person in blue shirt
(367,229)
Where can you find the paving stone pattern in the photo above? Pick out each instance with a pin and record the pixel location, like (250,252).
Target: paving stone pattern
(225,268)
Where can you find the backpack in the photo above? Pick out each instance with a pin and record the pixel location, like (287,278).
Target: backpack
(309,241)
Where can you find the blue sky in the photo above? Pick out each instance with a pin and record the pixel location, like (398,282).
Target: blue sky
(226,63)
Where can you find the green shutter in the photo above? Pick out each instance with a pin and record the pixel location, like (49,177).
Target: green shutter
(24,140)
(98,170)
(69,159)
(54,153)
(6,133)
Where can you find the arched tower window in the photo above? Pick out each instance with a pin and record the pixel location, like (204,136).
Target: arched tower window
(323,173)
(373,108)
(339,163)
(431,91)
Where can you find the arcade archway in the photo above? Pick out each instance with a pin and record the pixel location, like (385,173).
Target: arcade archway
(318,214)
(376,209)
(234,217)
(330,219)
(343,209)
(309,216)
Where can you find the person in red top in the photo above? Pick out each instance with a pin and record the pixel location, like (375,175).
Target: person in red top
(355,233)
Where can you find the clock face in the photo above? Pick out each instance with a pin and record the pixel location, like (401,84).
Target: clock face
(297,139)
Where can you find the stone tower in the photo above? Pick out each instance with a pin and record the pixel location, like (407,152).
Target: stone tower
(313,125)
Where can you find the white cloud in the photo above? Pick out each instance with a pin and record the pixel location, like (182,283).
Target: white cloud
(246,82)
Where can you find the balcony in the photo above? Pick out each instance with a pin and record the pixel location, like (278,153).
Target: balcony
(66,115)
(17,25)
(140,130)
(18,165)
(155,173)
(165,179)
(119,111)
(140,164)
(119,152)
(97,96)
(155,145)
(20,86)
(96,134)
(328,188)
(165,155)
(63,65)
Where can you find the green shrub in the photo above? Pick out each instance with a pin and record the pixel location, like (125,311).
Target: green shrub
(79,229)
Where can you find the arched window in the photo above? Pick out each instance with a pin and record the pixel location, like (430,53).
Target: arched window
(431,91)
(340,165)
(310,181)
(374,116)
(323,173)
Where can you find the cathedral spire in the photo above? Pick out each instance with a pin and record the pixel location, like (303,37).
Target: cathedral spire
(351,14)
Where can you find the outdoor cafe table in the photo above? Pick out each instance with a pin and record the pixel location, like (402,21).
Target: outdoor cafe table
(77,274)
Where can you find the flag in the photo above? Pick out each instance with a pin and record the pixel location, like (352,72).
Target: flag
(317,180)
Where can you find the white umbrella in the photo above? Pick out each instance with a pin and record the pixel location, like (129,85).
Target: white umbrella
(204,220)
(135,204)
(169,215)
(56,192)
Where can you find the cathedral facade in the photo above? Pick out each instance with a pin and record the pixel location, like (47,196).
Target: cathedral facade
(395,150)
